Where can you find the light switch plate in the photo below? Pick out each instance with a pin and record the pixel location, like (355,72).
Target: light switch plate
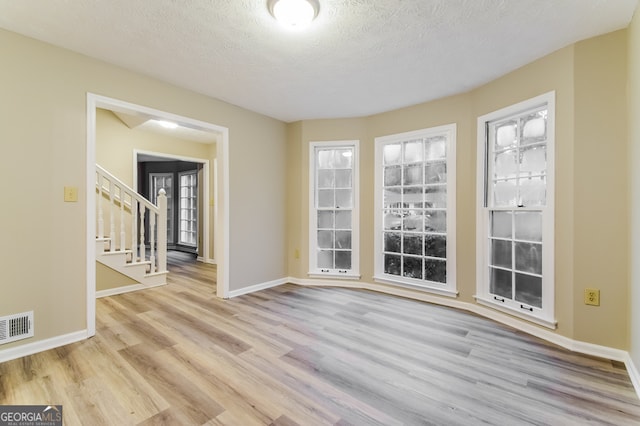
(70,194)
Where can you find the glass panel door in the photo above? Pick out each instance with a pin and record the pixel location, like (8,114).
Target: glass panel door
(188,208)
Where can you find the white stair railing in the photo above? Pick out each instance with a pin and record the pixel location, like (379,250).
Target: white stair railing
(133,206)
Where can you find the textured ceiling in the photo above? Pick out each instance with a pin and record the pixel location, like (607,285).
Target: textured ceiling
(359,57)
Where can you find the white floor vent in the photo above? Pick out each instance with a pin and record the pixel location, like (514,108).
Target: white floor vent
(16,327)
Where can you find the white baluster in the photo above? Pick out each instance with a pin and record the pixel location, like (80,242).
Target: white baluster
(123,234)
(100,212)
(152,237)
(142,248)
(112,219)
(162,230)
(134,228)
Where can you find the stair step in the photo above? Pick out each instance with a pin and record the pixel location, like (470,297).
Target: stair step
(122,261)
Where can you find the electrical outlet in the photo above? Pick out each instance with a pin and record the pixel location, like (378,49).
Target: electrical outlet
(592,296)
(296,254)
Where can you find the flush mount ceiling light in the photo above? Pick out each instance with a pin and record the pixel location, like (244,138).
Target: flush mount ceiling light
(166,124)
(294,14)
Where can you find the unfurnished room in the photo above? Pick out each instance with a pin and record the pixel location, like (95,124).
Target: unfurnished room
(320,212)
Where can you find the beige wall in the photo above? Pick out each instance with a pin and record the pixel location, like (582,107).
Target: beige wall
(600,190)
(633,49)
(588,79)
(43,132)
(107,278)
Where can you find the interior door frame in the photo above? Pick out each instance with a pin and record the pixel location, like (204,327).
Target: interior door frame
(205,193)
(221,238)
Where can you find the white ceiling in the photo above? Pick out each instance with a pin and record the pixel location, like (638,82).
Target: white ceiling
(359,57)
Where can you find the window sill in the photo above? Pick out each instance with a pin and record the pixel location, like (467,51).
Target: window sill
(425,288)
(552,324)
(349,276)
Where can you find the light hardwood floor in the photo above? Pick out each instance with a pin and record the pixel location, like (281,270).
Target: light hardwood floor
(176,355)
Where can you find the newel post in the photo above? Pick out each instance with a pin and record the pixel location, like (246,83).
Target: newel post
(162,230)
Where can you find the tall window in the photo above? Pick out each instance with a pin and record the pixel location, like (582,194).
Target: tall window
(515,215)
(334,237)
(415,209)
(188,230)
(163,181)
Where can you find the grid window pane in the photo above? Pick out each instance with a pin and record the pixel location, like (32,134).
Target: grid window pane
(435,173)
(343,219)
(436,148)
(326,178)
(534,159)
(529,290)
(343,239)
(501,223)
(344,198)
(326,198)
(343,259)
(533,192)
(325,259)
(343,178)
(413,244)
(412,267)
(435,270)
(325,219)
(392,175)
(435,221)
(392,264)
(392,220)
(392,242)
(528,226)
(435,246)
(435,196)
(325,239)
(392,153)
(413,174)
(501,252)
(529,257)
(500,283)
(413,152)
(413,220)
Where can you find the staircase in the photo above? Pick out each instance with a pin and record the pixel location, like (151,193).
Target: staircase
(136,244)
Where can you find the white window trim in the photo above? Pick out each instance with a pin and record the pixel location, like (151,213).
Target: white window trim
(450,288)
(546,315)
(314,271)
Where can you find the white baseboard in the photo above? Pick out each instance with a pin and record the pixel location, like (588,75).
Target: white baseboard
(42,345)
(258,287)
(124,289)
(634,375)
(210,261)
